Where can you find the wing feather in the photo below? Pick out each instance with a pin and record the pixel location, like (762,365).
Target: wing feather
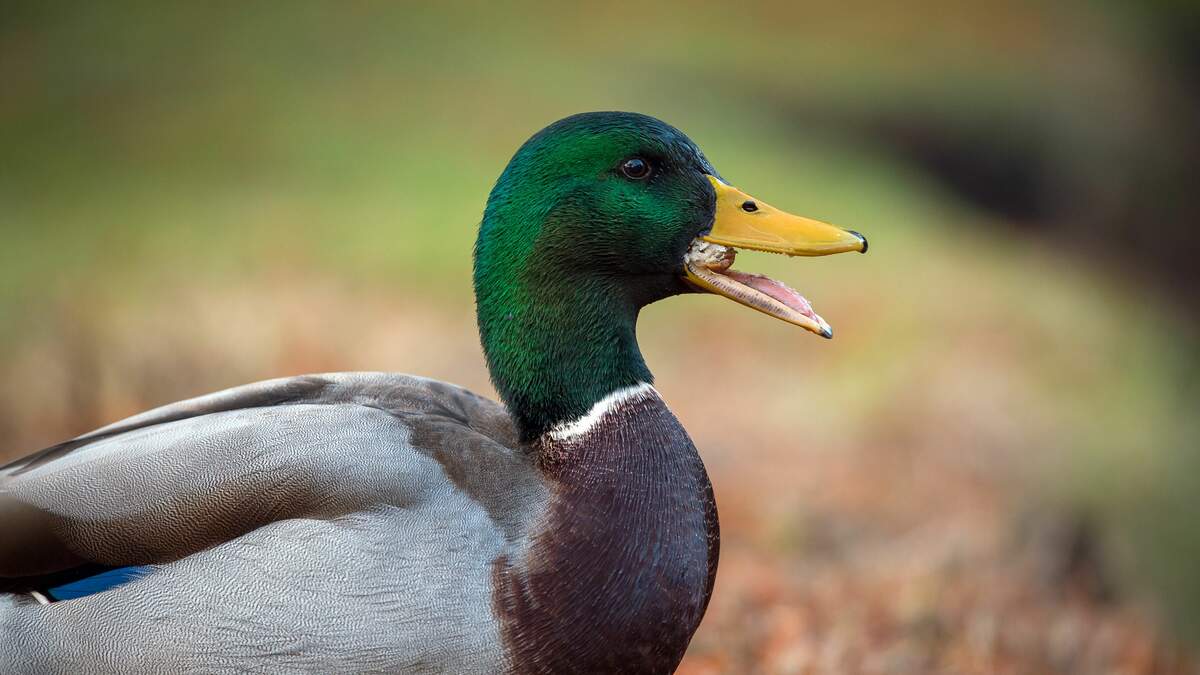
(174,480)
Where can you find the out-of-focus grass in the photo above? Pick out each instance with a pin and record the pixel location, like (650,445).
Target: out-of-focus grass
(198,196)
(140,137)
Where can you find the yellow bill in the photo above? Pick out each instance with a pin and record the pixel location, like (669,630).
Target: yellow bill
(741,221)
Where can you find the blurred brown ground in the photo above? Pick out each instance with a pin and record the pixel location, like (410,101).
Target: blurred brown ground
(854,541)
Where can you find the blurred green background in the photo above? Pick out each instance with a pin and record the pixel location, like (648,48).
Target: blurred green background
(993,468)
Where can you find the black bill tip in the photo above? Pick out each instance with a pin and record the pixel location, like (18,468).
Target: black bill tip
(860,238)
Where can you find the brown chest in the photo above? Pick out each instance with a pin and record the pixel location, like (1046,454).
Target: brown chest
(619,572)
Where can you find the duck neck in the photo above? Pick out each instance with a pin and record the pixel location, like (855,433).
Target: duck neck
(556,350)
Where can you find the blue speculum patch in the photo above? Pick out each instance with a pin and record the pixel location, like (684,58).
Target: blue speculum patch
(96,583)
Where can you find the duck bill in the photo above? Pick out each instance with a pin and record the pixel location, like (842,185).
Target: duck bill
(743,222)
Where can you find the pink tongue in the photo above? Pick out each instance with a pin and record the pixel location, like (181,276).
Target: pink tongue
(774,289)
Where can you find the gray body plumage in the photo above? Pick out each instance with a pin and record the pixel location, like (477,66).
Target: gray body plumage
(334,523)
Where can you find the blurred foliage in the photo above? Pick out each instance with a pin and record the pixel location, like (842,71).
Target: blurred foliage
(194,195)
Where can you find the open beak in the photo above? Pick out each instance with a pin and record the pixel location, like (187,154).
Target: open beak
(744,222)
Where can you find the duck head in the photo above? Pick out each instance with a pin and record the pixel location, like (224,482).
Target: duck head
(596,216)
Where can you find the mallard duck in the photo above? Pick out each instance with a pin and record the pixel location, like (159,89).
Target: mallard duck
(378,522)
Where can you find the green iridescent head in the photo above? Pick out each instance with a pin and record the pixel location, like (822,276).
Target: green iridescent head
(595,217)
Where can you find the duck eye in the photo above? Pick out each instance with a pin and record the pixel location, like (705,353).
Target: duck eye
(635,168)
